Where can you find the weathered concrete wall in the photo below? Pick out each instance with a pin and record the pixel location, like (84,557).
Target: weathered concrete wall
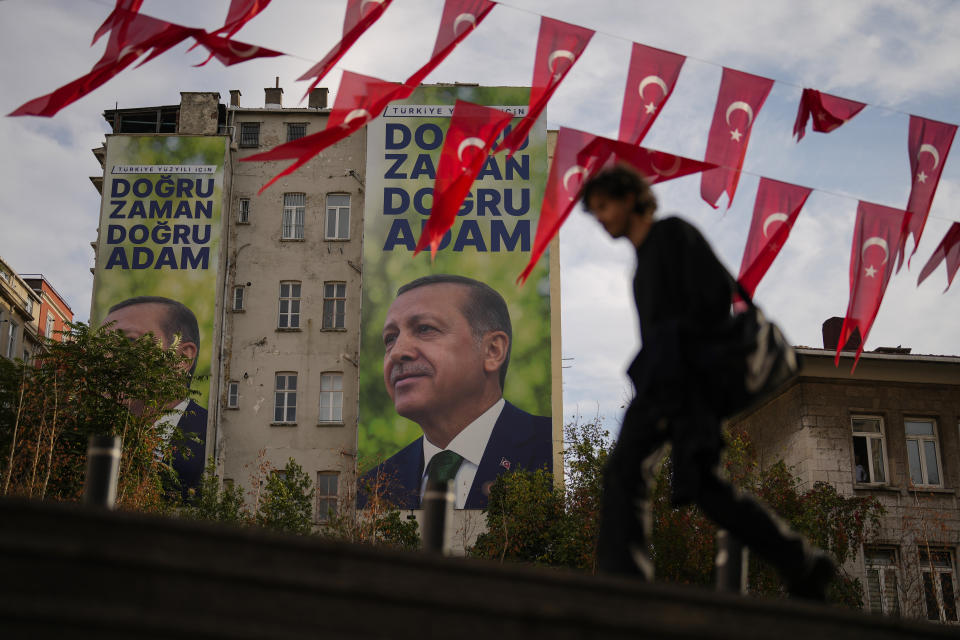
(198,113)
(78,573)
(255,348)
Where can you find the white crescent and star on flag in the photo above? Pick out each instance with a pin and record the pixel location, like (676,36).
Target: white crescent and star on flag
(469,18)
(575,170)
(470,142)
(739,105)
(554,56)
(932,150)
(778,217)
(874,241)
(651,106)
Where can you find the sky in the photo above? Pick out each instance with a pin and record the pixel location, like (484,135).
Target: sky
(899,58)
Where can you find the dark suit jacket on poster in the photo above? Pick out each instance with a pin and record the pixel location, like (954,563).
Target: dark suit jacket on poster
(192,422)
(518,440)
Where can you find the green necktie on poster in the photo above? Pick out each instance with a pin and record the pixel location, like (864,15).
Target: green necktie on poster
(443,467)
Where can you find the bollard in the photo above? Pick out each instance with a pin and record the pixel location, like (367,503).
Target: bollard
(731,563)
(103,466)
(437,503)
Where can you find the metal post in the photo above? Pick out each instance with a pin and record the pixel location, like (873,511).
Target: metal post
(731,563)
(437,502)
(103,467)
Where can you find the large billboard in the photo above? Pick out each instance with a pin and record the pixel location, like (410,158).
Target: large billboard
(158,256)
(432,358)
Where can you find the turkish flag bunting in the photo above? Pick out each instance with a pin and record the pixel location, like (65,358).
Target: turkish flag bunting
(361,14)
(559,46)
(459,19)
(122,13)
(240,13)
(231,52)
(131,35)
(949,249)
(738,104)
(650,81)
(654,166)
(575,159)
(776,209)
(872,257)
(359,100)
(929,143)
(473,129)
(829,112)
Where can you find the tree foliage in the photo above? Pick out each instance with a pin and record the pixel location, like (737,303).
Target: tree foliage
(378,521)
(286,503)
(96,381)
(216,502)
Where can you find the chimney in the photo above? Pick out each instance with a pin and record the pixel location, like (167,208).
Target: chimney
(318,98)
(234,97)
(273,96)
(831,336)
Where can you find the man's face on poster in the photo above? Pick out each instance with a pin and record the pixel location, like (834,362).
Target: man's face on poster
(138,320)
(432,360)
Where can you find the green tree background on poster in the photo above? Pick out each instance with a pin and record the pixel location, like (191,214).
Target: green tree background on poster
(528,384)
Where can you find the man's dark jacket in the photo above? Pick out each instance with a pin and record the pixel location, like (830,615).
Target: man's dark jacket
(518,440)
(193,422)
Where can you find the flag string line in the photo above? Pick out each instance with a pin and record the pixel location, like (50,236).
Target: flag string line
(830,192)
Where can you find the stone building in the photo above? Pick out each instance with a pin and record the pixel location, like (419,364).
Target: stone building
(19,314)
(890,430)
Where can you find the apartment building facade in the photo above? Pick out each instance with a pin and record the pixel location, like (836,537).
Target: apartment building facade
(19,315)
(889,430)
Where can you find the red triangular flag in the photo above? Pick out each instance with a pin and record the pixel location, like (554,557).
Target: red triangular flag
(240,13)
(473,129)
(459,19)
(131,35)
(655,166)
(359,100)
(559,46)
(738,104)
(361,14)
(929,143)
(829,112)
(650,81)
(776,209)
(948,248)
(872,257)
(230,52)
(575,159)
(122,13)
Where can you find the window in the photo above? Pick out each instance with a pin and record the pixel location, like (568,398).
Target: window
(334,304)
(4,274)
(29,305)
(285,398)
(12,340)
(296,130)
(233,394)
(238,298)
(936,570)
(869,455)
(249,134)
(883,592)
(331,397)
(294,205)
(922,455)
(48,329)
(243,211)
(327,494)
(338,217)
(289,305)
